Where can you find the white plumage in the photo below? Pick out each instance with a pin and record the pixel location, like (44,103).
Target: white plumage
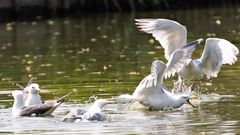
(172,35)
(93,114)
(33,98)
(151,91)
(19,108)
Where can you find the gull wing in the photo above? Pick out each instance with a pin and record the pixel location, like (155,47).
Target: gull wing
(179,57)
(74,115)
(157,70)
(37,109)
(170,34)
(43,109)
(175,63)
(217,52)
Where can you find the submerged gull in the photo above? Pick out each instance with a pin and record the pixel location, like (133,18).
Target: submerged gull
(33,98)
(93,114)
(151,91)
(19,109)
(173,35)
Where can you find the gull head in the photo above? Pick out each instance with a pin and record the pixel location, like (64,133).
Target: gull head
(100,103)
(33,88)
(184,99)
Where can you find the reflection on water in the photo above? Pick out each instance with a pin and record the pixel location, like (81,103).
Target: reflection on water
(104,56)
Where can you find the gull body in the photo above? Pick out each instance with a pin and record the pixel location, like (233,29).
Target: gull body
(33,98)
(158,97)
(172,35)
(19,108)
(93,114)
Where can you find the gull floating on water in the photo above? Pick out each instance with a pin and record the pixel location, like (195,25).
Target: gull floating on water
(33,98)
(19,108)
(151,91)
(172,35)
(93,114)
(31,93)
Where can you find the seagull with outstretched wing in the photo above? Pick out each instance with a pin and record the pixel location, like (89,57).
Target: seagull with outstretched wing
(151,91)
(172,35)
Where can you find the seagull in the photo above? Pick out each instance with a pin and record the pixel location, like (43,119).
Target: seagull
(33,98)
(172,36)
(31,93)
(19,108)
(93,114)
(151,91)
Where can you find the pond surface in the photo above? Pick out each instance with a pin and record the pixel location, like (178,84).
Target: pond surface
(104,56)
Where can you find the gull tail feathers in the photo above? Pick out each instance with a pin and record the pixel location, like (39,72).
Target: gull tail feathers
(62,99)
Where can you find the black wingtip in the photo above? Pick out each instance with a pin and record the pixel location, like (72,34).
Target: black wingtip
(196,42)
(62,99)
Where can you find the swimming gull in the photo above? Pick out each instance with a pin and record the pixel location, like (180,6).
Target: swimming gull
(151,91)
(19,108)
(33,98)
(172,35)
(93,114)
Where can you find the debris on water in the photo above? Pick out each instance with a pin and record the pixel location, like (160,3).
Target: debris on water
(208,84)
(29,62)
(92,59)
(28,68)
(113,41)
(211,35)
(50,22)
(83,50)
(46,65)
(218,22)
(134,73)
(151,52)
(56,33)
(122,56)
(93,40)
(34,23)
(9,26)
(70,51)
(41,74)
(104,36)
(151,41)
(6,79)
(158,47)
(105,67)
(60,72)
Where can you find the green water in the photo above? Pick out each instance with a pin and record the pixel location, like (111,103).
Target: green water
(103,56)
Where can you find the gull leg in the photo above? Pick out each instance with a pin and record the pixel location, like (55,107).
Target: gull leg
(181,83)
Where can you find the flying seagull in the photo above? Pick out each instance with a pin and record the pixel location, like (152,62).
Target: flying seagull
(93,114)
(151,91)
(172,36)
(19,108)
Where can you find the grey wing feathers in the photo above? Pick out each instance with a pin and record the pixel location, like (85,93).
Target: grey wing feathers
(157,69)
(179,57)
(217,52)
(36,109)
(170,34)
